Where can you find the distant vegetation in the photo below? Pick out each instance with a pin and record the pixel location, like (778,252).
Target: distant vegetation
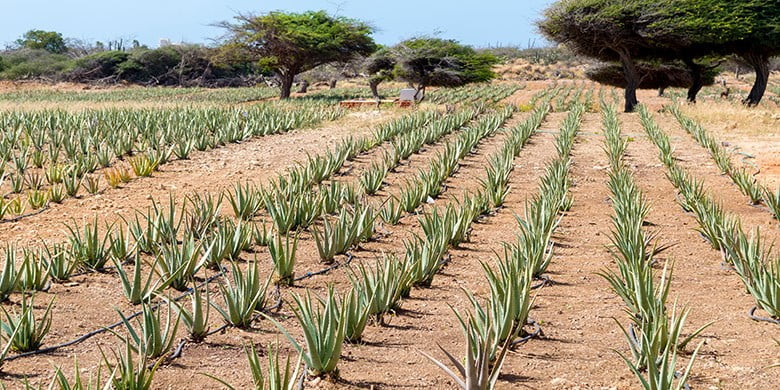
(275,49)
(188,65)
(695,32)
(430,62)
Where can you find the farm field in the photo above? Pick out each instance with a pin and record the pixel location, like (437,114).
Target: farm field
(134,203)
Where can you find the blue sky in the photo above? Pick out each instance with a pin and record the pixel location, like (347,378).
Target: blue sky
(478,23)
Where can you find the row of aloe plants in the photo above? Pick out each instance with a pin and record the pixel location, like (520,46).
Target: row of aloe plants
(747,254)
(473,93)
(745,181)
(54,154)
(654,333)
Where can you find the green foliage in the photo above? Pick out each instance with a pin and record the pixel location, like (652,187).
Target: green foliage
(441,62)
(23,330)
(291,43)
(98,65)
(27,63)
(653,75)
(51,41)
(323,323)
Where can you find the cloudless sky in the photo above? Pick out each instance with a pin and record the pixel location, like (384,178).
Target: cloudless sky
(478,23)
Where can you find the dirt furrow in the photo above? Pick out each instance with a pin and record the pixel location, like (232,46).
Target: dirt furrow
(576,312)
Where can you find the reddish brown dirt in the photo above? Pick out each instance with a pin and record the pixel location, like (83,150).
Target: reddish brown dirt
(580,336)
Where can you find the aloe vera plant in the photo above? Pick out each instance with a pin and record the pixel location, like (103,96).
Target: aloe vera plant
(477,371)
(93,382)
(283,256)
(33,274)
(203,215)
(196,319)
(10,275)
(772,200)
(137,288)
(747,184)
(24,330)
(660,372)
(392,211)
(245,201)
(380,287)
(178,264)
(58,263)
(143,165)
(323,323)
(337,237)
(372,178)
(151,335)
(242,297)
(90,248)
(278,375)
(131,372)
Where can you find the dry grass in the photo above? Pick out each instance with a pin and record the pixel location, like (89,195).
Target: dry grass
(519,69)
(730,118)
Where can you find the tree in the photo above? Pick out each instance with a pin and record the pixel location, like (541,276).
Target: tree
(51,41)
(379,68)
(686,30)
(291,43)
(746,28)
(424,62)
(602,29)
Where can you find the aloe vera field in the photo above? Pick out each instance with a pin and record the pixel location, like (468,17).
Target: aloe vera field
(527,233)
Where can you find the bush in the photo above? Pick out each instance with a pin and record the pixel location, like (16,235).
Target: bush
(29,63)
(150,65)
(97,66)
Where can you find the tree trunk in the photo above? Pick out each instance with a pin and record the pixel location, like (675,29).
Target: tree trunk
(632,79)
(661,91)
(304,86)
(760,63)
(420,94)
(697,82)
(285,84)
(374,85)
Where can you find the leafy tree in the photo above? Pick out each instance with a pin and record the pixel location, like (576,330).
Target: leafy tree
(379,68)
(51,41)
(749,29)
(292,43)
(686,30)
(602,29)
(424,62)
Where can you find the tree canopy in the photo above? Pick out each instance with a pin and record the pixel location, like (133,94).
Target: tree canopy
(652,76)
(688,30)
(436,62)
(51,41)
(380,68)
(291,43)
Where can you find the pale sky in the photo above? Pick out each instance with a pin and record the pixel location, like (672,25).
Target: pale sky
(478,23)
